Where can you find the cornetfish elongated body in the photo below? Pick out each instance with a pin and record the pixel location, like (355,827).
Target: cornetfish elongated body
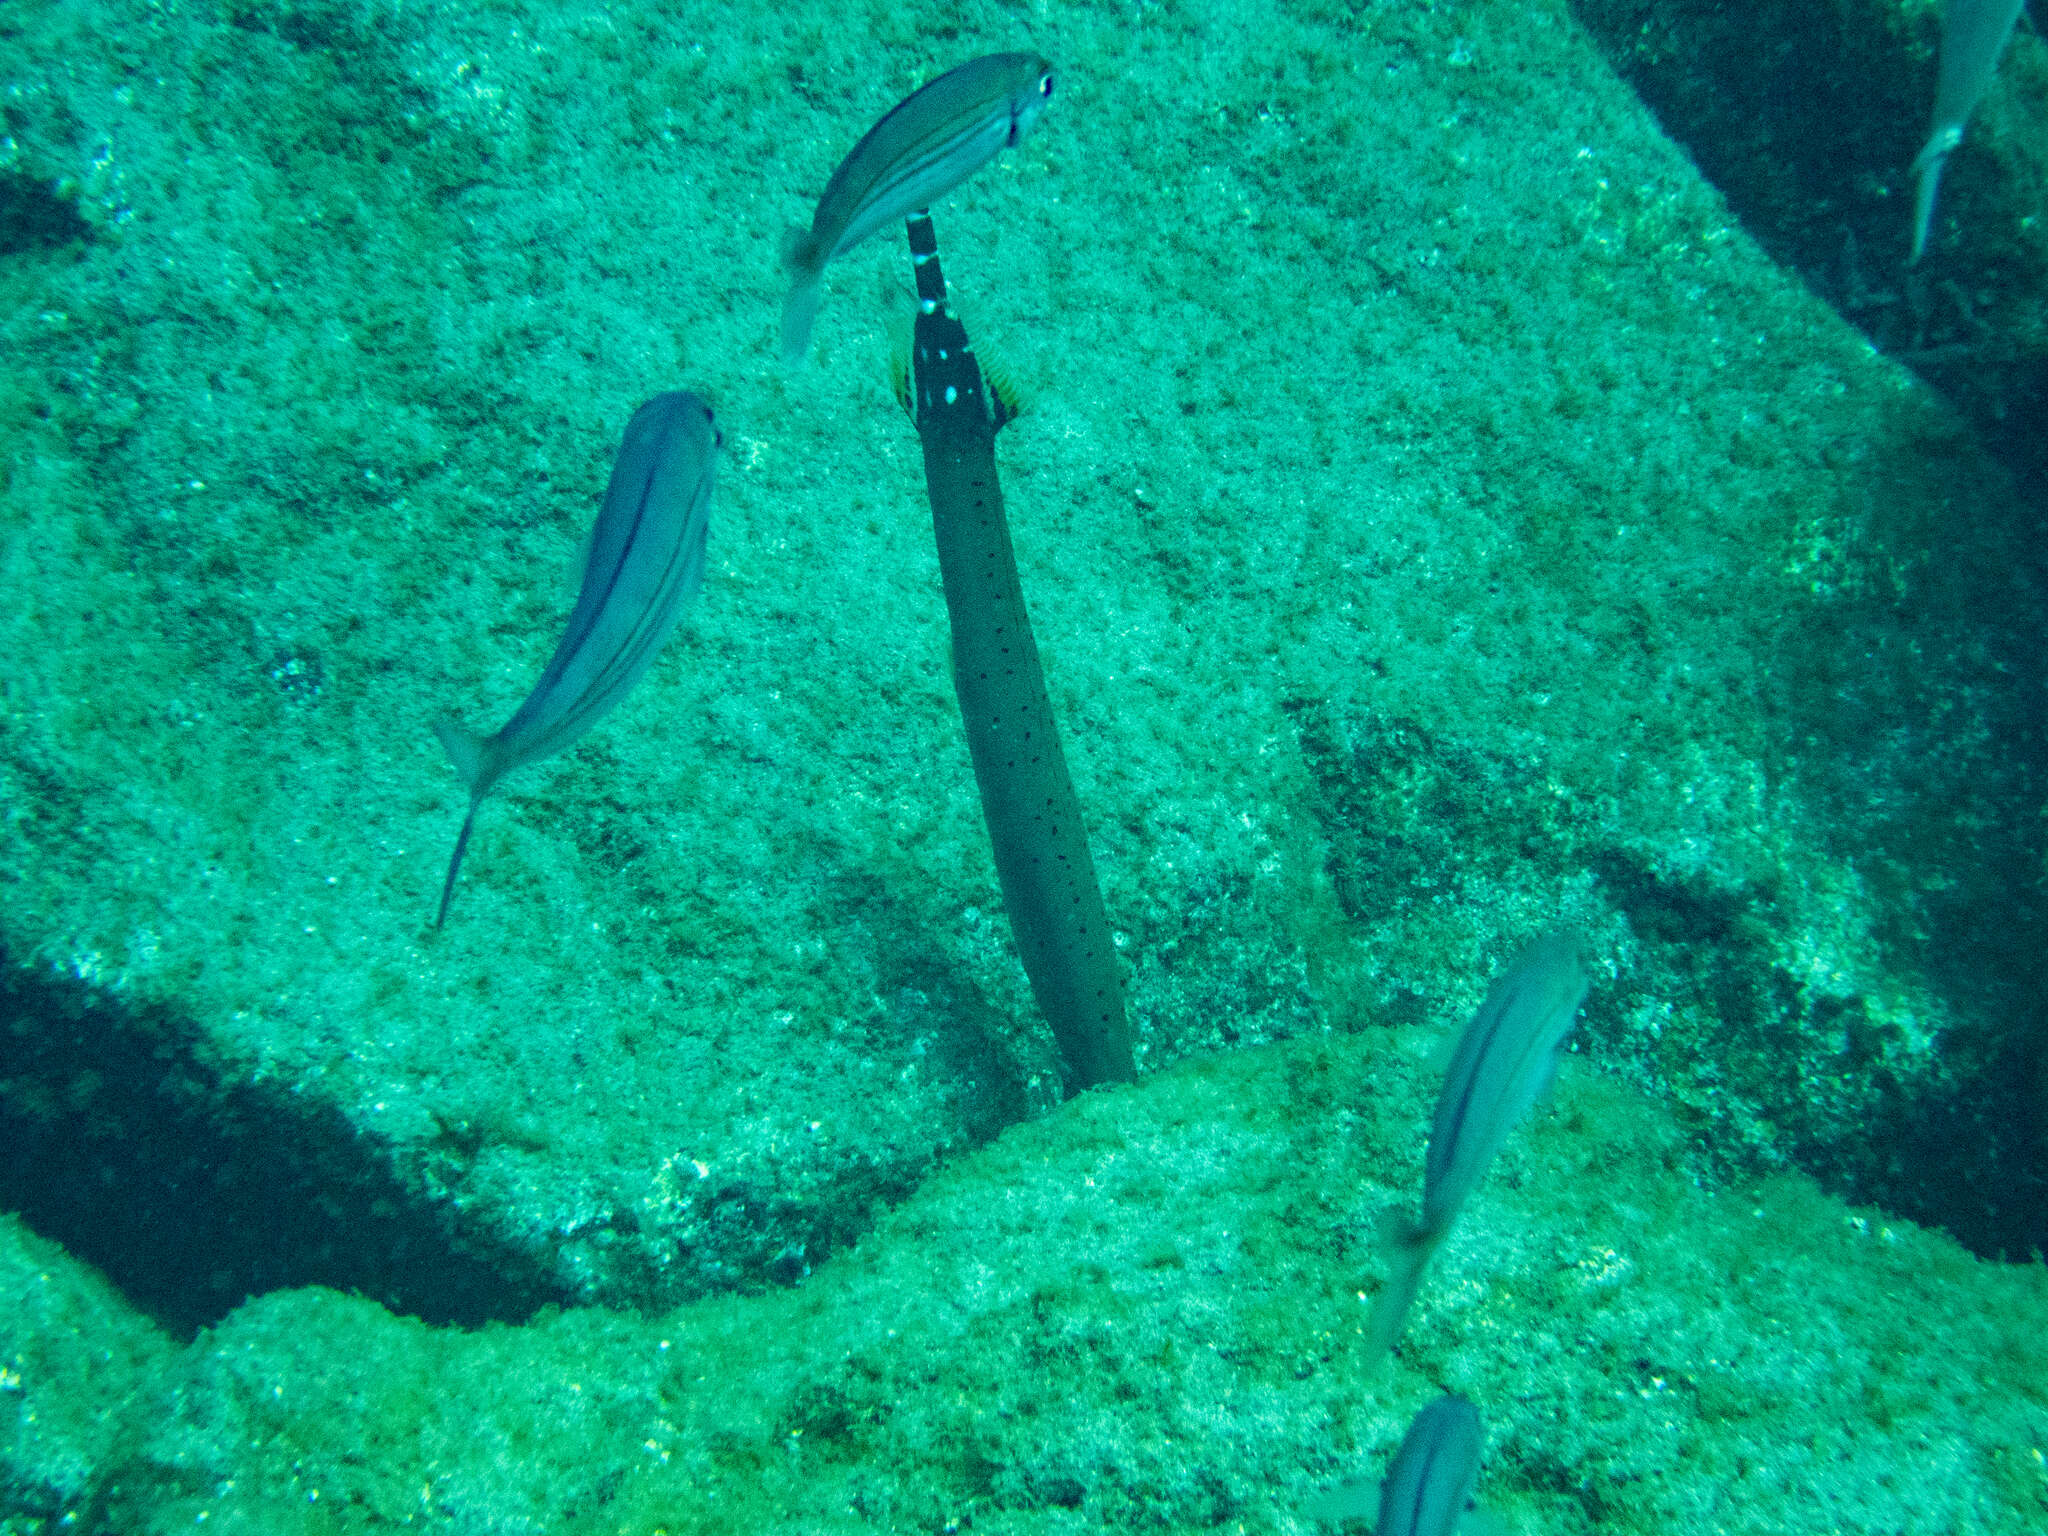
(927,144)
(1040,847)
(646,560)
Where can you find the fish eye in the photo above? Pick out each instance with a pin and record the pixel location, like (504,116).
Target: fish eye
(1045,86)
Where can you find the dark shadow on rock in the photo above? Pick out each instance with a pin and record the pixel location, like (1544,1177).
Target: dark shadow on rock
(1763,1064)
(192,1186)
(1807,119)
(37,216)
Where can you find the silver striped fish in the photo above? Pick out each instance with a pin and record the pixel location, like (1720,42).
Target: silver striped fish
(1504,1062)
(646,559)
(1973,34)
(1428,1485)
(930,142)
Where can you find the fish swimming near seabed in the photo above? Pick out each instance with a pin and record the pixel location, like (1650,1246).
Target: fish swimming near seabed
(1504,1061)
(1429,1482)
(924,147)
(645,561)
(1973,34)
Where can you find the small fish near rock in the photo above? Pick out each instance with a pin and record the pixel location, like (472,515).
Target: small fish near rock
(1973,34)
(924,147)
(1428,1487)
(645,561)
(1504,1062)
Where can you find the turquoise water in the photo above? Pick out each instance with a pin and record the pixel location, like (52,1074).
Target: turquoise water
(1442,518)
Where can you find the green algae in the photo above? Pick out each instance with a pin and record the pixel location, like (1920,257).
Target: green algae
(72,1355)
(1146,1311)
(1444,514)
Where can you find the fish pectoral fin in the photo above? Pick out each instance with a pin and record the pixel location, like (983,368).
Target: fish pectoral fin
(1006,400)
(798,311)
(899,375)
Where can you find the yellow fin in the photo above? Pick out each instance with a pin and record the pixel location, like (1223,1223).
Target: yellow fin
(1002,387)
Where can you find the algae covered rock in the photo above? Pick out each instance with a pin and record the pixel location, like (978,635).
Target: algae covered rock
(1148,1311)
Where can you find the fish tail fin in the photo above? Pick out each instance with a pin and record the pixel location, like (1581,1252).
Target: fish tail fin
(800,255)
(455,863)
(1927,167)
(806,293)
(1410,1244)
(466,749)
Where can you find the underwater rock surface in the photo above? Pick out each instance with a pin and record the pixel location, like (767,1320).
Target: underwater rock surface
(1808,118)
(1438,517)
(1144,1311)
